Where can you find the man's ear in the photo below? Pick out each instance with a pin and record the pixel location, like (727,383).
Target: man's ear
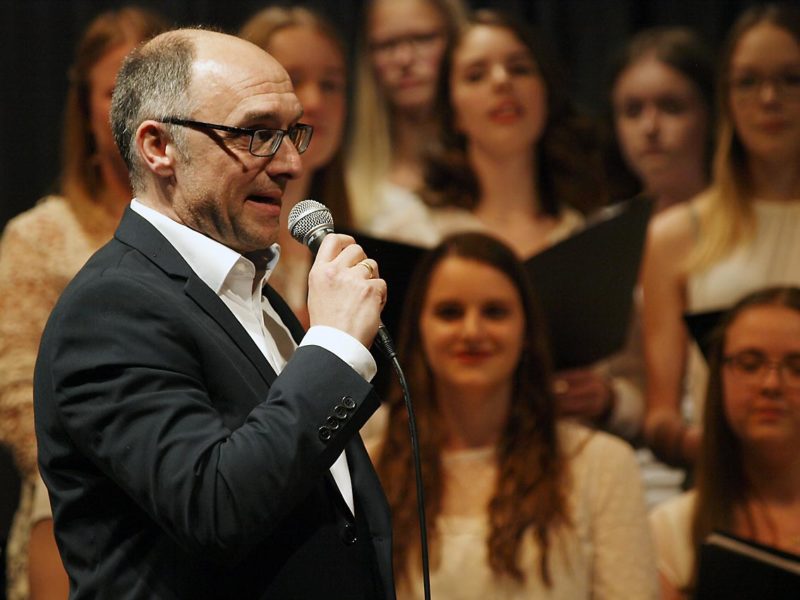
(152,143)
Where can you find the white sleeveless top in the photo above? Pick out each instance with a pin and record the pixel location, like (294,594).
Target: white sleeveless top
(770,257)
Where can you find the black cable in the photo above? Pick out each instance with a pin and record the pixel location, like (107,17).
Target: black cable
(412,427)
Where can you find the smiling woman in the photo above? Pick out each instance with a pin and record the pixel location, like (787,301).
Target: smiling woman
(518,504)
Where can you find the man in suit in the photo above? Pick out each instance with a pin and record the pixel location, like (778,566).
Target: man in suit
(190,448)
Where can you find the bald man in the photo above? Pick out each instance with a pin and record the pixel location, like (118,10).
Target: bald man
(195,441)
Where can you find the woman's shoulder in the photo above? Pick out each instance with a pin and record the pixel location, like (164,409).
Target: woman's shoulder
(679,223)
(593,447)
(674,510)
(50,210)
(44,224)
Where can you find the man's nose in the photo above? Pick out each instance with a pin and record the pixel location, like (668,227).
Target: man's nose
(286,161)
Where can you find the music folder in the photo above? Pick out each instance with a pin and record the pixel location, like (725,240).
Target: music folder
(701,326)
(584,283)
(732,567)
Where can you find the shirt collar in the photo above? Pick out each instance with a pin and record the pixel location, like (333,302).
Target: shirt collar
(212,261)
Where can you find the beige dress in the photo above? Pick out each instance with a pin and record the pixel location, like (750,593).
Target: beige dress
(606,553)
(40,252)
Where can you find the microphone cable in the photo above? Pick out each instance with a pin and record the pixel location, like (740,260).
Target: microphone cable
(386,345)
(309,222)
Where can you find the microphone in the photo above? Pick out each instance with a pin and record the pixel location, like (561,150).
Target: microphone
(309,222)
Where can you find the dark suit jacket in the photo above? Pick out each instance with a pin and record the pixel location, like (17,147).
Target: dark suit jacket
(178,464)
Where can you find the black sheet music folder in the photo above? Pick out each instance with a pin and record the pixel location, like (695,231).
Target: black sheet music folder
(584,283)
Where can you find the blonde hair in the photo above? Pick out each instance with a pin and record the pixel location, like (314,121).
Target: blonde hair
(80,177)
(370,151)
(727,217)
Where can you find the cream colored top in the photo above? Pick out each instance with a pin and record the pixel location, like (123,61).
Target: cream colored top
(402,216)
(771,257)
(671,524)
(605,554)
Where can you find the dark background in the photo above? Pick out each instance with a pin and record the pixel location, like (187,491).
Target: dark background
(38,38)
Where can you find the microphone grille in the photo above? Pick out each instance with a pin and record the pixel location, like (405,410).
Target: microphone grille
(307,216)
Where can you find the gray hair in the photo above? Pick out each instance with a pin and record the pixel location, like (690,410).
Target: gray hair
(153,83)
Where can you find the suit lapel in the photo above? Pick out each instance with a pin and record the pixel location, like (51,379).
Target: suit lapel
(137,232)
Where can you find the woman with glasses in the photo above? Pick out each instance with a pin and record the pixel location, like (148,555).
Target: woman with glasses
(40,251)
(739,235)
(519,505)
(748,475)
(399,51)
(313,54)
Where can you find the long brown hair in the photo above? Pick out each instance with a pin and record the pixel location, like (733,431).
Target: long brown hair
(731,219)
(80,177)
(530,483)
(569,159)
(721,483)
(328,182)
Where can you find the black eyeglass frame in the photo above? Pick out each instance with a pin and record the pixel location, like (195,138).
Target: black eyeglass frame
(280,133)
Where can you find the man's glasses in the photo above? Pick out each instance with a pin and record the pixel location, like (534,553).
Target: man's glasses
(748,86)
(263,142)
(752,366)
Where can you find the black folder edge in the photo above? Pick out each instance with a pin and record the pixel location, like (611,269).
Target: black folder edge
(765,554)
(584,283)
(701,326)
(732,567)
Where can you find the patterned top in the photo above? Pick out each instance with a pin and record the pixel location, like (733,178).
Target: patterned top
(40,252)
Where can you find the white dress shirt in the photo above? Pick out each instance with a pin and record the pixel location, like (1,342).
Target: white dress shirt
(230,275)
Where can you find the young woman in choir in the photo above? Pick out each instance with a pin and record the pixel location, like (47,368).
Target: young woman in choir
(519,504)
(739,235)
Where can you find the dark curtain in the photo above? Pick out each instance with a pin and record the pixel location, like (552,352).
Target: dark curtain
(38,37)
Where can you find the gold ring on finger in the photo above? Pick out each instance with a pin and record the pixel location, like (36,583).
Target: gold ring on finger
(368,267)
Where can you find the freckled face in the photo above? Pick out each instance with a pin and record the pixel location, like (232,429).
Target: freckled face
(472,325)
